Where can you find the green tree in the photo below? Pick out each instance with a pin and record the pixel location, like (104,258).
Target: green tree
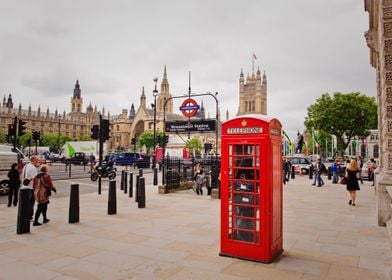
(3,136)
(194,144)
(344,115)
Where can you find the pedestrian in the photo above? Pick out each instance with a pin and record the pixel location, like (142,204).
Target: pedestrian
(320,168)
(30,170)
(360,165)
(13,184)
(335,170)
(285,170)
(200,179)
(372,166)
(42,190)
(352,177)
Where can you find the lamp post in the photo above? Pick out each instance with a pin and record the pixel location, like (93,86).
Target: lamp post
(58,136)
(154,93)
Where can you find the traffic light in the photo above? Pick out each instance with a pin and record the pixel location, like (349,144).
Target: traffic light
(166,139)
(95,132)
(36,135)
(133,141)
(105,130)
(21,127)
(11,131)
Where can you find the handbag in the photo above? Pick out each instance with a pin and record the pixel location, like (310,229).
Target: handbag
(343,181)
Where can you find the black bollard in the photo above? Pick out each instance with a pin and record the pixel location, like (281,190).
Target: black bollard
(122,180)
(137,187)
(112,199)
(140,172)
(23,220)
(99,184)
(311,172)
(329,173)
(130,184)
(125,182)
(155,182)
(142,193)
(73,216)
(292,172)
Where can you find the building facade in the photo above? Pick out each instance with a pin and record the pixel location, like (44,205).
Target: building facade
(253,94)
(74,124)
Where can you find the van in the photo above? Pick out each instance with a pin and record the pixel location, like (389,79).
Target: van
(300,163)
(7,158)
(127,158)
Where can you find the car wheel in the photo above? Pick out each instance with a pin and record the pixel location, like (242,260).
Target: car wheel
(4,188)
(304,171)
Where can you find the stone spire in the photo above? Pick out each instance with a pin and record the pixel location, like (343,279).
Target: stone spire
(143,99)
(132,112)
(77,90)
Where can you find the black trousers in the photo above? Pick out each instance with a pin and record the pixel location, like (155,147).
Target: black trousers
(13,192)
(31,202)
(41,209)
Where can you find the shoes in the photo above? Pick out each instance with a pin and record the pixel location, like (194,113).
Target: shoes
(313,184)
(46,221)
(353,204)
(9,205)
(319,185)
(349,202)
(37,224)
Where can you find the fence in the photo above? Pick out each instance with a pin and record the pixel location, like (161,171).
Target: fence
(175,170)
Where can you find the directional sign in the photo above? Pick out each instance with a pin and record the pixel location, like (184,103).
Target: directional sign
(192,126)
(189,107)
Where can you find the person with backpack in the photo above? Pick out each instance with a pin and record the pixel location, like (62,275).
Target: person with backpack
(320,168)
(42,190)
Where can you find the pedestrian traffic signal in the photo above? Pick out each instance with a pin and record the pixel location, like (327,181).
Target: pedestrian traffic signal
(166,139)
(36,135)
(105,130)
(95,132)
(21,127)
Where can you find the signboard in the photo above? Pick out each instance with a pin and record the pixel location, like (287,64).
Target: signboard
(191,126)
(189,107)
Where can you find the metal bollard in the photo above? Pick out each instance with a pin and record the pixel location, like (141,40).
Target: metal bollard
(329,173)
(125,182)
(122,180)
(142,193)
(112,199)
(311,172)
(155,181)
(130,184)
(140,172)
(292,172)
(23,220)
(73,216)
(137,187)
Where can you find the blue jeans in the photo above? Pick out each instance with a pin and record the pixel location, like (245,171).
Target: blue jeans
(319,179)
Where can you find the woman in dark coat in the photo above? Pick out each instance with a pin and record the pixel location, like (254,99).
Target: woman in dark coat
(42,186)
(14,183)
(352,176)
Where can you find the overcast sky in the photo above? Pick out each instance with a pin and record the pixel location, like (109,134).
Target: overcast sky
(114,48)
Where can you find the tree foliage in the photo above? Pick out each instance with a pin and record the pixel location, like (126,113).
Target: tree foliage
(344,115)
(147,139)
(195,145)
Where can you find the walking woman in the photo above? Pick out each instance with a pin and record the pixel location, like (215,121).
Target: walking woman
(199,178)
(14,183)
(352,176)
(42,189)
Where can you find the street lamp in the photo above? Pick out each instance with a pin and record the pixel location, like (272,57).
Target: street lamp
(58,136)
(154,93)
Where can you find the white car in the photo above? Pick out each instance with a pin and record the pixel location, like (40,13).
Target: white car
(365,169)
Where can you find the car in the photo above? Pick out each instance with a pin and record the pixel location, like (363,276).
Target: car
(78,158)
(127,158)
(365,169)
(300,163)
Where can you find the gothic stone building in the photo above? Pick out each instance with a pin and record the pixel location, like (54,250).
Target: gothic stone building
(74,124)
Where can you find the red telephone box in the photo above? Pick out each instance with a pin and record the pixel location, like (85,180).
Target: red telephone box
(251,188)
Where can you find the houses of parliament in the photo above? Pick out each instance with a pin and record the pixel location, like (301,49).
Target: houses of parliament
(130,122)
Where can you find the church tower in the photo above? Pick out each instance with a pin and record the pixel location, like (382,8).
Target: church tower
(164,95)
(253,94)
(77,100)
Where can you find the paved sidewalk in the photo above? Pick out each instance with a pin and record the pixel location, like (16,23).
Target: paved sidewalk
(177,237)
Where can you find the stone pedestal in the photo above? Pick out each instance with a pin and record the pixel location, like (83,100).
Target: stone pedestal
(383,202)
(215,193)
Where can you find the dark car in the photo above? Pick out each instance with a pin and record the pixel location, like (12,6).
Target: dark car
(78,158)
(127,158)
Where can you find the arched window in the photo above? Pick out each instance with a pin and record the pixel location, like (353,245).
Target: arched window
(375,151)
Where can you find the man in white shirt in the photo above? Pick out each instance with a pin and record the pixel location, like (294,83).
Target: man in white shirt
(30,170)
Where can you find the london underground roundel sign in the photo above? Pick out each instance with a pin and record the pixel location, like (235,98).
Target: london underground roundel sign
(189,107)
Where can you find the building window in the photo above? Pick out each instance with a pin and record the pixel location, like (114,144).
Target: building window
(375,151)
(118,128)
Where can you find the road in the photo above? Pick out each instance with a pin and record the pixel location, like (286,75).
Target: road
(86,185)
